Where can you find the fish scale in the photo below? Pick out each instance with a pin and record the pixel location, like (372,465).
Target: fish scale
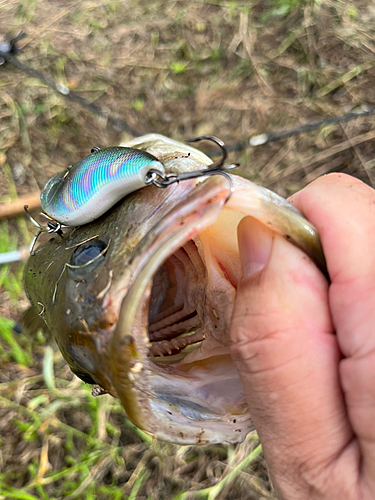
(90,187)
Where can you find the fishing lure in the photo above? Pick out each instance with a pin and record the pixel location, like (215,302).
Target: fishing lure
(90,187)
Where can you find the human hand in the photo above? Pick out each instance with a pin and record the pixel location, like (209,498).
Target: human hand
(305,350)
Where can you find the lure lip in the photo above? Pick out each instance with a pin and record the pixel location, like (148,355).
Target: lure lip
(50,189)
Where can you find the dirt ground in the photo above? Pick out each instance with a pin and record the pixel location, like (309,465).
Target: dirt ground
(182,69)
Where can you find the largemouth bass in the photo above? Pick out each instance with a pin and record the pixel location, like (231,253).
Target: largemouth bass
(140,300)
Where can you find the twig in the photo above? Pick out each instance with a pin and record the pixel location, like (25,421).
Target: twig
(15,207)
(311,160)
(14,256)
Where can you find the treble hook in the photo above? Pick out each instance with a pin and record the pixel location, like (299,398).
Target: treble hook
(158,179)
(52,227)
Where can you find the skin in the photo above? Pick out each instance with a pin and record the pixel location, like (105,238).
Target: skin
(305,349)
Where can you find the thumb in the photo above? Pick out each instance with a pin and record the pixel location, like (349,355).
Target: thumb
(286,352)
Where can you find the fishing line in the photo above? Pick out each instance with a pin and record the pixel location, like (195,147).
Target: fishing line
(259,139)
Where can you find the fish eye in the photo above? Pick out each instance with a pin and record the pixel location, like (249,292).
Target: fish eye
(89,254)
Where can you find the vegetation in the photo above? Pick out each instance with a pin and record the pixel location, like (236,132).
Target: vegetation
(180,68)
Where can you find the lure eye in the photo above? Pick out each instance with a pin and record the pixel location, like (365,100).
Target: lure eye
(88,255)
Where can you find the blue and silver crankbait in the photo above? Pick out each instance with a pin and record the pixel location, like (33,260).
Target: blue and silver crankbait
(90,187)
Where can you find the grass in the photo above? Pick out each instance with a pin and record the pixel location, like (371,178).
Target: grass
(228,68)
(88,455)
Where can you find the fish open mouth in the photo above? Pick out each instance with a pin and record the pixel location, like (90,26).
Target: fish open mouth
(173,328)
(175,322)
(170,350)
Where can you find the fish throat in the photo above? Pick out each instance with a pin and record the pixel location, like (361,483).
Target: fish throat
(176,314)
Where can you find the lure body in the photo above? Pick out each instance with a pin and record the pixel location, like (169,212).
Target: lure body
(90,187)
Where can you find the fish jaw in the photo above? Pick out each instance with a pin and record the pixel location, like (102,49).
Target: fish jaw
(158,397)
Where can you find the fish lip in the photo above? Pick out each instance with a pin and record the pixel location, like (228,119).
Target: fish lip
(134,376)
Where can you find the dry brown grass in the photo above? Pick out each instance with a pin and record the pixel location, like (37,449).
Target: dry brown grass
(180,68)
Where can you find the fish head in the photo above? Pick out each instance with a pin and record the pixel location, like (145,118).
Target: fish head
(140,300)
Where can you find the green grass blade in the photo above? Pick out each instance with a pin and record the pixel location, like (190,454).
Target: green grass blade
(48,375)
(212,492)
(138,483)
(7,334)
(9,492)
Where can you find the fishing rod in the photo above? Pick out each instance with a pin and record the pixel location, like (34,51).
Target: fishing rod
(9,50)
(261,139)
